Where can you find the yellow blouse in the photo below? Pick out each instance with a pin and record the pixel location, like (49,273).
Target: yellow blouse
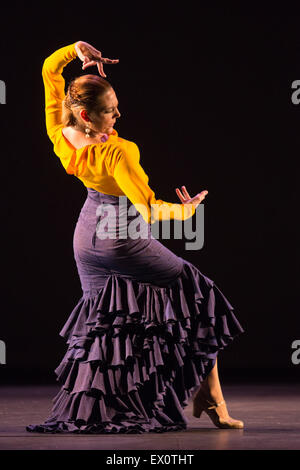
(111,167)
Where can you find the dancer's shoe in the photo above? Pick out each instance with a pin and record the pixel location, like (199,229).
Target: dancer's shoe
(215,411)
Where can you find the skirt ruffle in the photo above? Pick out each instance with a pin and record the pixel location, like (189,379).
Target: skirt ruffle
(136,351)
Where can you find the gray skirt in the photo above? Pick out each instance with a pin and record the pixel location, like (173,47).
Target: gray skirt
(144,334)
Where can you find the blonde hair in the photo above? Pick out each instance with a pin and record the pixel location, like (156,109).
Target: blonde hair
(83,92)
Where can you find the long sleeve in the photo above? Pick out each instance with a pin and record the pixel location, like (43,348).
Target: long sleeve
(133,181)
(54,84)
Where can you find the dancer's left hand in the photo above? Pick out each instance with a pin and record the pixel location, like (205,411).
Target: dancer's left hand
(187,199)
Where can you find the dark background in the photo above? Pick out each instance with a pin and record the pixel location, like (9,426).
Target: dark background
(205,92)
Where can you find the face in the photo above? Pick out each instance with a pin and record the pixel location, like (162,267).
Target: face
(105,120)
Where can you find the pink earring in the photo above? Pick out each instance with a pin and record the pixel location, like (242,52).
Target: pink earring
(104,138)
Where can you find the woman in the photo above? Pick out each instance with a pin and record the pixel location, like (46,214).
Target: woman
(148,327)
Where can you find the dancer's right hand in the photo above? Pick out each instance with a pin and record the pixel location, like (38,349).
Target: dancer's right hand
(186,198)
(91,56)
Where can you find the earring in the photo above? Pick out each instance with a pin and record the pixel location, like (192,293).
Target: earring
(87,131)
(104,138)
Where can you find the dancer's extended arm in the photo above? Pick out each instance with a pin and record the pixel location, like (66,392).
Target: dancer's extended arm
(132,179)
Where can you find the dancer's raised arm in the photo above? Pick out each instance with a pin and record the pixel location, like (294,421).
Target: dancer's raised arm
(54,84)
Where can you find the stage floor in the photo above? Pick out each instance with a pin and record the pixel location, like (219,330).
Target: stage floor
(271,413)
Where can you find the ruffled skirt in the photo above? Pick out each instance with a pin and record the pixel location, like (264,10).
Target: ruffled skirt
(136,349)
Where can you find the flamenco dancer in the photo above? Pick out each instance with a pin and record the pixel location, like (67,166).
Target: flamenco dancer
(145,335)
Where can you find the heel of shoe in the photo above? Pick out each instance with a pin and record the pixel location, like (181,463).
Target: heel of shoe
(197,410)
(197,413)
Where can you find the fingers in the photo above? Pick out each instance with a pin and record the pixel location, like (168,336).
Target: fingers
(94,62)
(186,197)
(201,195)
(109,61)
(104,60)
(100,65)
(99,61)
(85,61)
(179,194)
(100,69)
(89,64)
(185,192)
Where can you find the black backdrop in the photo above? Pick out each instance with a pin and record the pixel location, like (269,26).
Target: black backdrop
(206,95)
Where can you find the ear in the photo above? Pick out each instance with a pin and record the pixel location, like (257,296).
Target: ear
(84,115)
